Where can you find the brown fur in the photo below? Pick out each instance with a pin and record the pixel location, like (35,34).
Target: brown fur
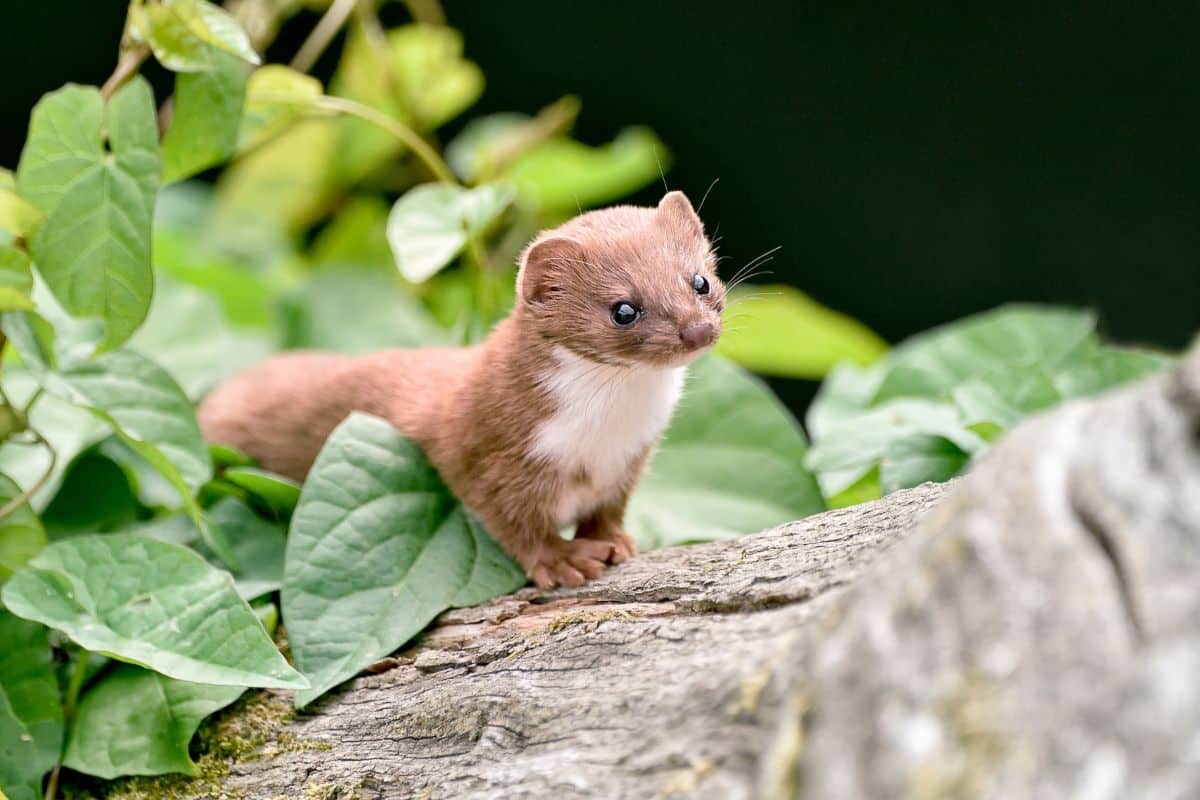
(476,410)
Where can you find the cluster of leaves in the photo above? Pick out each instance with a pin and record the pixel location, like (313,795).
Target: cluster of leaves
(938,400)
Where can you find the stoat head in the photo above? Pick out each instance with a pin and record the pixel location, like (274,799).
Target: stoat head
(625,285)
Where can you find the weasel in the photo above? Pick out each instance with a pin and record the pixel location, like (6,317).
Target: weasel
(546,424)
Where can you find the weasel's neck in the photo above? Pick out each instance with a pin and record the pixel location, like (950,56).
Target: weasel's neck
(604,417)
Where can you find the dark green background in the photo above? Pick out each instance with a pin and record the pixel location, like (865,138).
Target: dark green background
(917,163)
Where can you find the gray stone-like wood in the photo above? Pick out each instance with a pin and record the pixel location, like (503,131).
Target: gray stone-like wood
(1031,630)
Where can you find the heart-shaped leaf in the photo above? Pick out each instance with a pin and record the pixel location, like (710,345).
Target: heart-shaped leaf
(94,247)
(138,722)
(31,718)
(731,463)
(431,224)
(151,603)
(377,548)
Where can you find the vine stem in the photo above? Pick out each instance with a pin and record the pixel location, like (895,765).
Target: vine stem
(421,149)
(25,496)
(73,688)
(128,64)
(327,27)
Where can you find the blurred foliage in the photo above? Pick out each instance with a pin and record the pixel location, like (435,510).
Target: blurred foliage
(936,401)
(337,220)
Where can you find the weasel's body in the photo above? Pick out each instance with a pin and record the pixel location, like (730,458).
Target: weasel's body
(546,424)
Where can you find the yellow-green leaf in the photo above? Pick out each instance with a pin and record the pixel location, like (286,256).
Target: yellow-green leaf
(185,33)
(778,330)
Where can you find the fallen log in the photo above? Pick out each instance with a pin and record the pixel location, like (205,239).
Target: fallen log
(1031,630)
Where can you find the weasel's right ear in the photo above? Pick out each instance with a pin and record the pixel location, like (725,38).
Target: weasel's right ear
(545,264)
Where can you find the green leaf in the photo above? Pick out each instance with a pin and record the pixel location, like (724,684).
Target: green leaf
(847,450)
(94,247)
(914,460)
(205,118)
(778,330)
(732,462)
(185,35)
(933,363)
(16,281)
(279,494)
(431,224)
(563,175)
(151,603)
(137,722)
(1106,367)
(226,455)
(146,408)
(1005,395)
(95,497)
(31,719)
(152,415)
(258,543)
(355,311)
(377,548)
(21,533)
(276,96)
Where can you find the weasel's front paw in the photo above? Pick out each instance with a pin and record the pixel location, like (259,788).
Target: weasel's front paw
(624,548)
(569,563)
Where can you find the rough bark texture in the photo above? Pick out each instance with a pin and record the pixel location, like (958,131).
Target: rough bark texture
(1037,634)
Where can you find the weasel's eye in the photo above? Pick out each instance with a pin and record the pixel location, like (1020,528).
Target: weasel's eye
(624,314)
(700,284)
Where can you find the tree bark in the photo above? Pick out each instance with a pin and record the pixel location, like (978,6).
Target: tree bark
(1031,630)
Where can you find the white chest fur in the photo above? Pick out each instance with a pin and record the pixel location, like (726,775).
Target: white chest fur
(604,418)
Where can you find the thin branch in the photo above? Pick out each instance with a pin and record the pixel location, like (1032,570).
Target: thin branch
(24,497)
(327,27)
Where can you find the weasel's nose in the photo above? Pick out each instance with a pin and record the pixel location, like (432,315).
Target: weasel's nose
(698,334)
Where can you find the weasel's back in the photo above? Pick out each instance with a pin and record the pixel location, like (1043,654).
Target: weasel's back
(282,410)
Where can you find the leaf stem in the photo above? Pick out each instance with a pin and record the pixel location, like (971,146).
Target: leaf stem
(327,27)
(73,688)
(75,685)
(128,64)
(24,497)
(428,156)
(426,12)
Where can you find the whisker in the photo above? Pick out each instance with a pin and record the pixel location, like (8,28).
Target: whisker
(706,191)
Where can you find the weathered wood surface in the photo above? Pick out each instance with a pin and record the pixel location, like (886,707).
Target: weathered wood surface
(1035,634)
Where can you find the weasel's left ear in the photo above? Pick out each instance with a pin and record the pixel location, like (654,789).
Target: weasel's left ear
(545,265)
(676,209)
